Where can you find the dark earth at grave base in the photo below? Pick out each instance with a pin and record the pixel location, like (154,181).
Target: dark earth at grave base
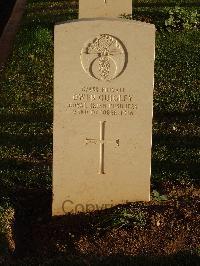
(157,228)
(6,7)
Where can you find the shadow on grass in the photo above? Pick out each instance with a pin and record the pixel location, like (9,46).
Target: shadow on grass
(192,170)
(32,145)
(26,141)
(32,206)
(33,116)
(5,12)
(21,165)
(172,140)
(177,116)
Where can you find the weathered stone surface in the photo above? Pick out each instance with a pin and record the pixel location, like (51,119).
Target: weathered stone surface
(104,8)
(104,72)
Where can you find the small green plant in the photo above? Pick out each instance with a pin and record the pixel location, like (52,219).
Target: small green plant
(130,217)
(123,218)
(157,197)
(182,19)
(197,251)
(126,16)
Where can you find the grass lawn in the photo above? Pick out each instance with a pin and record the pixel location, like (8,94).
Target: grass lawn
(26,113)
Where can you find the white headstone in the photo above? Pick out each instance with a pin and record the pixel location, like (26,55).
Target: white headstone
(104,8)
(103,103)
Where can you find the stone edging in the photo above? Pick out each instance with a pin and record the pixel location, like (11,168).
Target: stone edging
(10,30)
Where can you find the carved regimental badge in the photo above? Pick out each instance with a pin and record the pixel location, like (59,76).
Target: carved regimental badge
(104,58)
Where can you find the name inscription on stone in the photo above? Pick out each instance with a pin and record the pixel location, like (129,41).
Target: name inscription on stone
(102,101)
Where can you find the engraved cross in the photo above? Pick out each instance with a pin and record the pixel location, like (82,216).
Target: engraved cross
(102,142)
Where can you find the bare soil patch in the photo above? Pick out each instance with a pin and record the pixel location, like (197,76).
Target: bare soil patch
(157,228)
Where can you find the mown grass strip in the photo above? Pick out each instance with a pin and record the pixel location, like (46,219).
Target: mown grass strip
(26,101)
